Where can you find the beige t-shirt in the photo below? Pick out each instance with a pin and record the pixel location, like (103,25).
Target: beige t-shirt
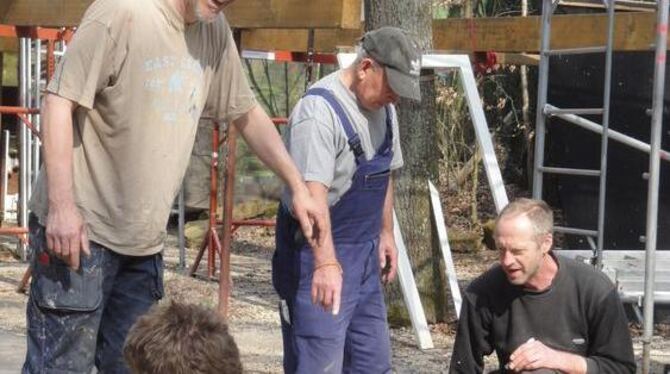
(142,79)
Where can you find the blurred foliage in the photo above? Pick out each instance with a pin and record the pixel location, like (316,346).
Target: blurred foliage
(278,86)
(9,72)
(467,197)
(482,8)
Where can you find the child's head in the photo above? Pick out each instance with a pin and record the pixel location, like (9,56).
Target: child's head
(181,338)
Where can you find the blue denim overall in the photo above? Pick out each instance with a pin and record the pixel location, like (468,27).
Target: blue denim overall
(357,339)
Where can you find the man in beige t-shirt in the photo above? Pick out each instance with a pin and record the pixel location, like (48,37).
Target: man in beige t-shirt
(120,117)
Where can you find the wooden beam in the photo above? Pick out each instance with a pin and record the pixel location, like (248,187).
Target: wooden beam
(9,45)
(242,14)
(4,6)
(633,32)
(279,14)
(296,40)
(275,24)
(517,59)
(48,13)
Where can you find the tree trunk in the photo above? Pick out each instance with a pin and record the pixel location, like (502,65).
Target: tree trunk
(2,55)
(419,140)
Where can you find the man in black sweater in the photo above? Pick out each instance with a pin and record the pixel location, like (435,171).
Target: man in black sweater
(538,311)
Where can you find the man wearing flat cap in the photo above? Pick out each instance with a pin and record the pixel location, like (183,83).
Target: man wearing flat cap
(343,136)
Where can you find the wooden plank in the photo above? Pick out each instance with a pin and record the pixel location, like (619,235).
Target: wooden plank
(242,14)
(295,14)
(325,40)
(517,59)
(9,45)
(633,32)
(44,12)
(4,6)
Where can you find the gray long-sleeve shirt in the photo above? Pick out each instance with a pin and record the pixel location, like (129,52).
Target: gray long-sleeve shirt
(580,313)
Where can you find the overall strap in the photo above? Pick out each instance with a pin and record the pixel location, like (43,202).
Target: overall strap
(388,138)
(352,137)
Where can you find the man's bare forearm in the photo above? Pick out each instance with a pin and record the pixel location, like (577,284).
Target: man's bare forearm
(326,252)
(57,143)
(387,213)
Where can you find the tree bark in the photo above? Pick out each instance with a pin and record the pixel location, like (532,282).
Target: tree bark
(419,141)
(2,55)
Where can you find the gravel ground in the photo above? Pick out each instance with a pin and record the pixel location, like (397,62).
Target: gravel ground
(253,318)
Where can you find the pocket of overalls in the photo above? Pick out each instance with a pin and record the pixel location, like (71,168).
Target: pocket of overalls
(377,181)
(57,287)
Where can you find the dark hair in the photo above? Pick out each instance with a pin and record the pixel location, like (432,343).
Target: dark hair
(180,338)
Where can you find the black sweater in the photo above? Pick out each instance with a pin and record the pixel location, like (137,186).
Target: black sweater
(579,313)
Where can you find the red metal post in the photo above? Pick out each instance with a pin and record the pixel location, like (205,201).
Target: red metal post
(225,280)
(29,125)
(279,120)
(13,231)
(18,110)
(11,31)
(213,191)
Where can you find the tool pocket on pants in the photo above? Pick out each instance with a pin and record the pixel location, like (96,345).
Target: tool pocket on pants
(157,290)
(55,286)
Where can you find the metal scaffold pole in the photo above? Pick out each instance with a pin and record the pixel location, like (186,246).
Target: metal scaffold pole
(604,139)
(29,104)
(540,119)
(36,103)
(23,143)
(654,177)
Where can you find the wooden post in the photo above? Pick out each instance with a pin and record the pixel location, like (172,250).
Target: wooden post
(419,139)
(225,279)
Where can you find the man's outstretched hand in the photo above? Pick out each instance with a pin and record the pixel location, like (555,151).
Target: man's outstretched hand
(533,355)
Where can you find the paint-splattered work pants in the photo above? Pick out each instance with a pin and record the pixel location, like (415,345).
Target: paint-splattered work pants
(80,318)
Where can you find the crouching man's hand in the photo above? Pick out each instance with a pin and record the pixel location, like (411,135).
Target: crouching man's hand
(534,355)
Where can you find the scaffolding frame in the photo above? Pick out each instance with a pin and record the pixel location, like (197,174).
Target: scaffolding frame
(654,179)
(656,154)
(28,120)
(573,115)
